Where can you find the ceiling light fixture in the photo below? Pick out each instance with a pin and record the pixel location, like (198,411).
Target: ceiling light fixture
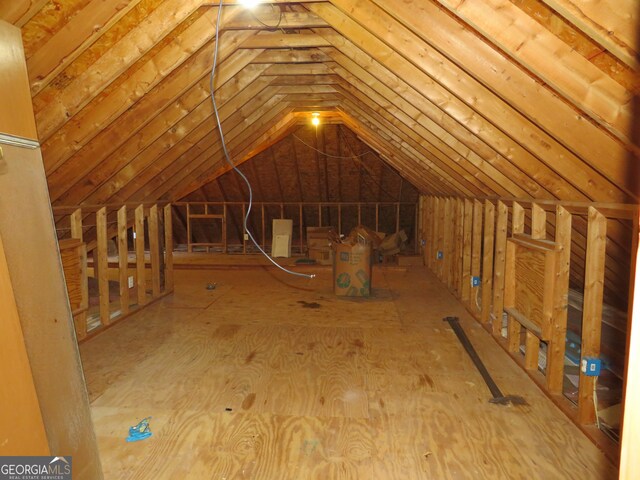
(315,119)
(249,3)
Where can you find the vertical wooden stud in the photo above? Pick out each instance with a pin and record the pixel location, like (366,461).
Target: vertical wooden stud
(446,242)
(466,251)
(517,220)
(264,230)
(377,217)
(76,232)
(441,228)
(538,222)
(532,343)
(140,264)
(154,249)
(189,248)
(301,229)
(514,329)
(556,349)
(592,308)
(103,265)
(339,219)
(487,261)
(224,228)
(123,260)
(397,217)
(459,245)
(168,246)
(499,266)
(476,251)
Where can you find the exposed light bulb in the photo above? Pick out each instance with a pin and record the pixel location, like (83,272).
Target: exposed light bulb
(249,3)
(315,121)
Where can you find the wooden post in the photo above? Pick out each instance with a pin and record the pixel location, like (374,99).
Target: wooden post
(377,217)
(514,329)
(319,214)
(102,265)
(555,352)
(498,272)
(188,227)
(359,214)
(466,251)
(397,217)
(224,228)
(517,221)
(487,261)
(123,260)
(76,232)
(592,308)
(532,343)
(459,245)
(301,230)
(168,246)
(339,219)
(446,240)
(264,230)
(538,222)
(476,251)
(140,270)
(154,250)
(441,228)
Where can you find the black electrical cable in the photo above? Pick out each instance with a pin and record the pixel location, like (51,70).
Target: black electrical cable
(228,157)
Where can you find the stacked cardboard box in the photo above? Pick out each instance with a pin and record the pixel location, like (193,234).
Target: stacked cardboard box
(319,240)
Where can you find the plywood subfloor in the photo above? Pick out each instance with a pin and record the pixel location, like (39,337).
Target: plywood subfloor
(272,377)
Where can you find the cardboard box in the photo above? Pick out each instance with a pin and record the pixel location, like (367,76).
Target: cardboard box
(322,256)
(352,269)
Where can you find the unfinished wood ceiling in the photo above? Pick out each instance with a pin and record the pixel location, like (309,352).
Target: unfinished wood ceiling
(524,98)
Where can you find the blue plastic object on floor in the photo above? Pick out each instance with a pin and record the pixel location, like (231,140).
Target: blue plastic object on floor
(140,431)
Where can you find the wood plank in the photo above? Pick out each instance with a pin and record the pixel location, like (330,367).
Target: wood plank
(476,251)
(102,265)
(609,23)
(517,218)
(22,426)
(570,74)
(556,350)
(532,350)
(76,35)
(285,40)
(592,310)
(538,222)
(474,54)
(460,245)
(396,388)
(168,245)
(16,116)
(123,260)
(466,251)
(76,232)
(154,249)
(19,12)
(284,20)
(499,268)
(487,261)
(141,282)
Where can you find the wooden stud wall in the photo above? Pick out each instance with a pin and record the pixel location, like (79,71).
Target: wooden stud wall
(122,268)
(506,217)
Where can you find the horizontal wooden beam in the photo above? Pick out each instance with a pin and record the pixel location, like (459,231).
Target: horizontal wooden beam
(283,40)
(266,18)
